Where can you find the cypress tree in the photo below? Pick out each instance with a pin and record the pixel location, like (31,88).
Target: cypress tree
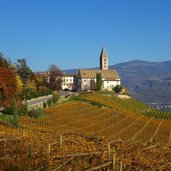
(99,81)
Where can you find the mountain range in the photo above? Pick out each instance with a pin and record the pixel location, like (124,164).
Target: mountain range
(149,82)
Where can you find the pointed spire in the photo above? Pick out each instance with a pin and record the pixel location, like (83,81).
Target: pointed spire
(103,53)
(103,60)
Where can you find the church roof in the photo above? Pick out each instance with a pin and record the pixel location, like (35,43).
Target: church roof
(103,53)
(106,74)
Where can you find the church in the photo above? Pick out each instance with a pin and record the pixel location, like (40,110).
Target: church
(87,77)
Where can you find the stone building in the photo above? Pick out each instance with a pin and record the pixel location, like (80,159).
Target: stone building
(87,77)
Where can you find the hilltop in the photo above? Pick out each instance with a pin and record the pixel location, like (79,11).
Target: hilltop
(149,82)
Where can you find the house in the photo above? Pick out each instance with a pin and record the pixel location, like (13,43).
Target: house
(87,77)
(69,81)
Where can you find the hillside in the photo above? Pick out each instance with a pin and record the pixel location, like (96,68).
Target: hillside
(149,82)
(89,131)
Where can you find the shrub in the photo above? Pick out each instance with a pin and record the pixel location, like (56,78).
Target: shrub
(44,105)
(8,111)
(6,120)
(36,112)
(55,97)
(44,90)
(23,110)
(49,102)
(117,88)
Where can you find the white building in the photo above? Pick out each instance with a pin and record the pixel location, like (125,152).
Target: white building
(68,82)
(110,78)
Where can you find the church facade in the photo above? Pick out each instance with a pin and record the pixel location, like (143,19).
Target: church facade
(87,77)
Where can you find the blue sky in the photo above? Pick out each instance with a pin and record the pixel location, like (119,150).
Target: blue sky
(71,33)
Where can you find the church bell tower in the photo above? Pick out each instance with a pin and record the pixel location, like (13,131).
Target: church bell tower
(103,60)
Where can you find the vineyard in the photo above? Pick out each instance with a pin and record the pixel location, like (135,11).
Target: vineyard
(92,131)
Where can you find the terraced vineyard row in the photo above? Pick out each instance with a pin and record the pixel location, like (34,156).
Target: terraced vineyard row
(159,114)
(83,118)
(130,105)
(80,153)
(80,135)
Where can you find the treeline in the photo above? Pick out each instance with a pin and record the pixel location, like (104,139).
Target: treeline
(19,80)
(18,83)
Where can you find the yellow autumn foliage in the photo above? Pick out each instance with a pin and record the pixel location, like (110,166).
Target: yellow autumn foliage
(31,85)
(19,84)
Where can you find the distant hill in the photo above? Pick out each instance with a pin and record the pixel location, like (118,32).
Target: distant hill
(149,82)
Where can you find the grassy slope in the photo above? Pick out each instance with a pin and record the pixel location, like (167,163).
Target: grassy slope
(124,106)
(90,115)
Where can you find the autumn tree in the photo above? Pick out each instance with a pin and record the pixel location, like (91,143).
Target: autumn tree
(55,78)
(8,82)
(19,85)
(41,81)
(99,81)
(42,84)
(31,83)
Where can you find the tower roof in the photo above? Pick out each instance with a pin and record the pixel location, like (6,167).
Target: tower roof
(103,53)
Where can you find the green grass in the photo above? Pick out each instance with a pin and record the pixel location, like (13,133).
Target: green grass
(6,119)
(123,105)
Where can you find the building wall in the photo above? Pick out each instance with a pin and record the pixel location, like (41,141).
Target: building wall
(109,85)
(87,84)
(90,84)
(104,63)
(68,82)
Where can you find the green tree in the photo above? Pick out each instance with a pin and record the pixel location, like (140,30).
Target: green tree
(15,113)
(4,62)
(24,72)
(99,81)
